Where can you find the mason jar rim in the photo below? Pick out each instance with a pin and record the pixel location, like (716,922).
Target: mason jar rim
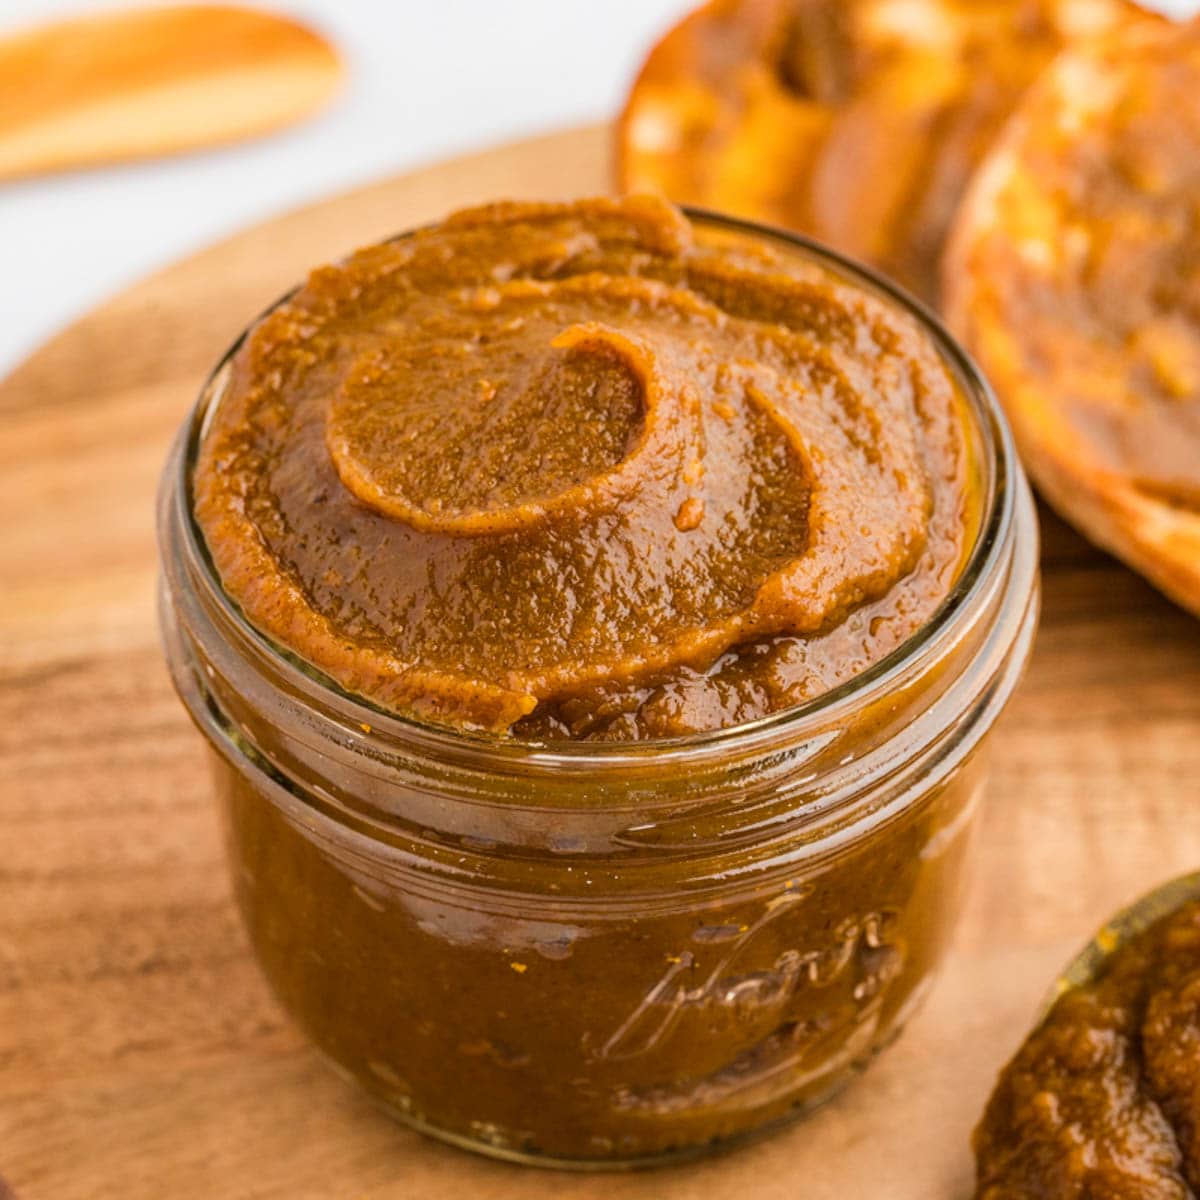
(790,725)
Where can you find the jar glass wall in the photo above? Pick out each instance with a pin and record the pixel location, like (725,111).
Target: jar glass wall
(607,954)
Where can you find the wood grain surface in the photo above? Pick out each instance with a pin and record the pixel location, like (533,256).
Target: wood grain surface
(140,1054)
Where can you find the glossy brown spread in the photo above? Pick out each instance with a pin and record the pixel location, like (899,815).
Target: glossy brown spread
(1103,1099)
(635,1003)
(586,470)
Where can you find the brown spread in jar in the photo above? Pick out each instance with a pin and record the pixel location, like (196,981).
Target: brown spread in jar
(597,470)
(586,470)
(1101,1100)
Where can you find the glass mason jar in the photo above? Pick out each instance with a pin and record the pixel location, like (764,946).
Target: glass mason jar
(599,955)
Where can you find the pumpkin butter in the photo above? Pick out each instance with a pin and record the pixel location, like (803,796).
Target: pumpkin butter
(561,482)
(586,470)
(1101,1100)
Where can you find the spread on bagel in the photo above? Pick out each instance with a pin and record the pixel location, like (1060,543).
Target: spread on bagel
(859,122)
(1073,276)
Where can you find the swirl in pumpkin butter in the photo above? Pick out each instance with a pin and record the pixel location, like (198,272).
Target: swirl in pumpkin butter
(586,470)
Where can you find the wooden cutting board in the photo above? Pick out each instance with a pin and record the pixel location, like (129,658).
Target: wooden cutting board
(140,1054)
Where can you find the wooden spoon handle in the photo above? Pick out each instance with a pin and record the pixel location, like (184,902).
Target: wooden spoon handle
(154,81)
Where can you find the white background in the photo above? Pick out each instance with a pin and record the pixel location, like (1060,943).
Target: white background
(427,79)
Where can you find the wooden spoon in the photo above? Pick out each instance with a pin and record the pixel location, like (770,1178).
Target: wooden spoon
(154,81)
